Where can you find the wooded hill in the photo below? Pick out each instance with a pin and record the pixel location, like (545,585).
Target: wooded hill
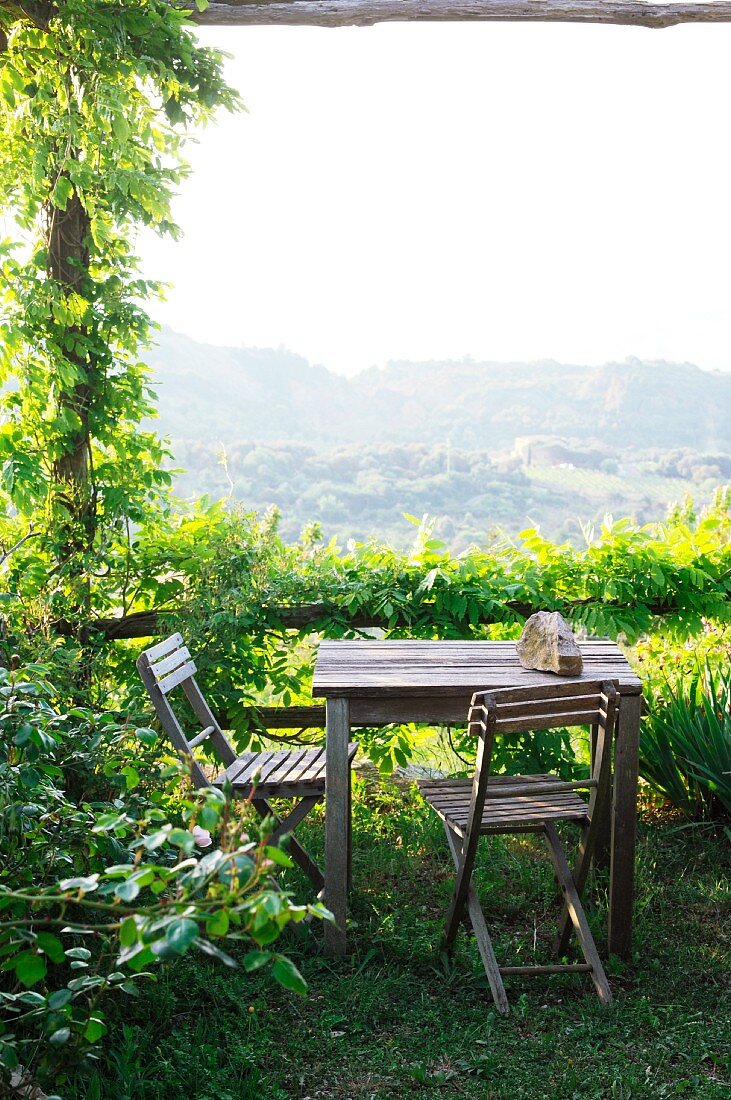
(481,445)
(244,394)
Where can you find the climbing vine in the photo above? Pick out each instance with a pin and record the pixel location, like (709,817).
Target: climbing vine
(97,100)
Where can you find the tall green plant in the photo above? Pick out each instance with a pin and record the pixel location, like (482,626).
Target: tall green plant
(96,101)
(685,749)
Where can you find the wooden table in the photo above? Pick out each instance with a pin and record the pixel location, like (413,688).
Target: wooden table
(374,682)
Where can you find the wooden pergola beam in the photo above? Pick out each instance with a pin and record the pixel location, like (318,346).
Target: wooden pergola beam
(364,13)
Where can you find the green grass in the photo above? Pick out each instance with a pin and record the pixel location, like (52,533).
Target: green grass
(393,1020)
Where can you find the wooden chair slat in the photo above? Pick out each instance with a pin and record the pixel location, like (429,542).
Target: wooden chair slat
(183,673)
(239,765)
(159,650)
(288,769)
(181,656)
(308,768)
(560,689)
(547,706)
(272,765)
(546,721)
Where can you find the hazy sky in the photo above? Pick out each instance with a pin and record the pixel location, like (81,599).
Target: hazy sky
(503,191)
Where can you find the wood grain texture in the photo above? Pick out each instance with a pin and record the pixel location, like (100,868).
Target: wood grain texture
(482,936)
(336,824)
(576,912)
(365,13)
(365,668)
(624,827)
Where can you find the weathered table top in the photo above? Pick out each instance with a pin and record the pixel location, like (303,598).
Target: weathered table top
(367,668)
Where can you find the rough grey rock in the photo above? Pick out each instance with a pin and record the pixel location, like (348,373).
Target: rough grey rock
(548,644)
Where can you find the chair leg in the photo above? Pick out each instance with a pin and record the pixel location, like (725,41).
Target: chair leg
(576,914)
(297,852)
(484,943)
(591,835)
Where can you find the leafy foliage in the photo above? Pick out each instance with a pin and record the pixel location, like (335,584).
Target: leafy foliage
(103,876)
(686,743)
(93,110)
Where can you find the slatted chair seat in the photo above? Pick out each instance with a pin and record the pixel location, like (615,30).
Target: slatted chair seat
(470,808)
(505,811)
(254,776)
(284,774)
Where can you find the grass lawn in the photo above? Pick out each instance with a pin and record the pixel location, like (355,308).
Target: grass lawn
(393,1020)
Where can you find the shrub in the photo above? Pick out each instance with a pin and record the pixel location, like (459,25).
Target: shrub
(97,889)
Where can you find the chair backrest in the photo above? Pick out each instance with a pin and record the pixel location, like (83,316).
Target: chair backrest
(541,707)
(169,665)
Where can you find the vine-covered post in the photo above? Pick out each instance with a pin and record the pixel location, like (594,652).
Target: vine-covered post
(95,101)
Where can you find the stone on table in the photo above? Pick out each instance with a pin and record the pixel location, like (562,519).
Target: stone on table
(548,644)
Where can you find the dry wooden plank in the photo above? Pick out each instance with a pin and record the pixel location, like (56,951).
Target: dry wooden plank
(560,706)
(482,936)
(235,769)
(288,768)
(254,764)
(177,677)
(310,765)
(180,657)
(546,722)
(573,904)
(551,968)
(366,13)
(162,648)
(336,824)
(272,765)
(624,828)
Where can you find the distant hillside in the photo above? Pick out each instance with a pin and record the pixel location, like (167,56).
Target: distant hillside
(242,394)
(480,445)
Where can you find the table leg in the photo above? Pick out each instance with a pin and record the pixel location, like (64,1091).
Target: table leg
(336,822)
(624,826)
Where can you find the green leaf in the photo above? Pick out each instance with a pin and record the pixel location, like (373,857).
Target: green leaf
(78,953)
(60,1037)
(30,968)
(120,127)
(201,4)
(217,924)
(83,885)
(180,934)
(51,946)
(62,192)
(276,855)
(60,999)
(128,932)
(94,1029)
(127,891)
(255,959)
(287,974)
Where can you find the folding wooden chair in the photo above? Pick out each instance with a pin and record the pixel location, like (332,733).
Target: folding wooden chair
(529,803)
(257,776)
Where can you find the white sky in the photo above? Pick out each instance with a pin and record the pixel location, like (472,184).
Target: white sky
(506,191)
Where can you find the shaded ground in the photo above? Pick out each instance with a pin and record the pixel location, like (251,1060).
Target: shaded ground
(393,1020)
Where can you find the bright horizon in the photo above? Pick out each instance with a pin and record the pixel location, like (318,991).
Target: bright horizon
(508,192)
